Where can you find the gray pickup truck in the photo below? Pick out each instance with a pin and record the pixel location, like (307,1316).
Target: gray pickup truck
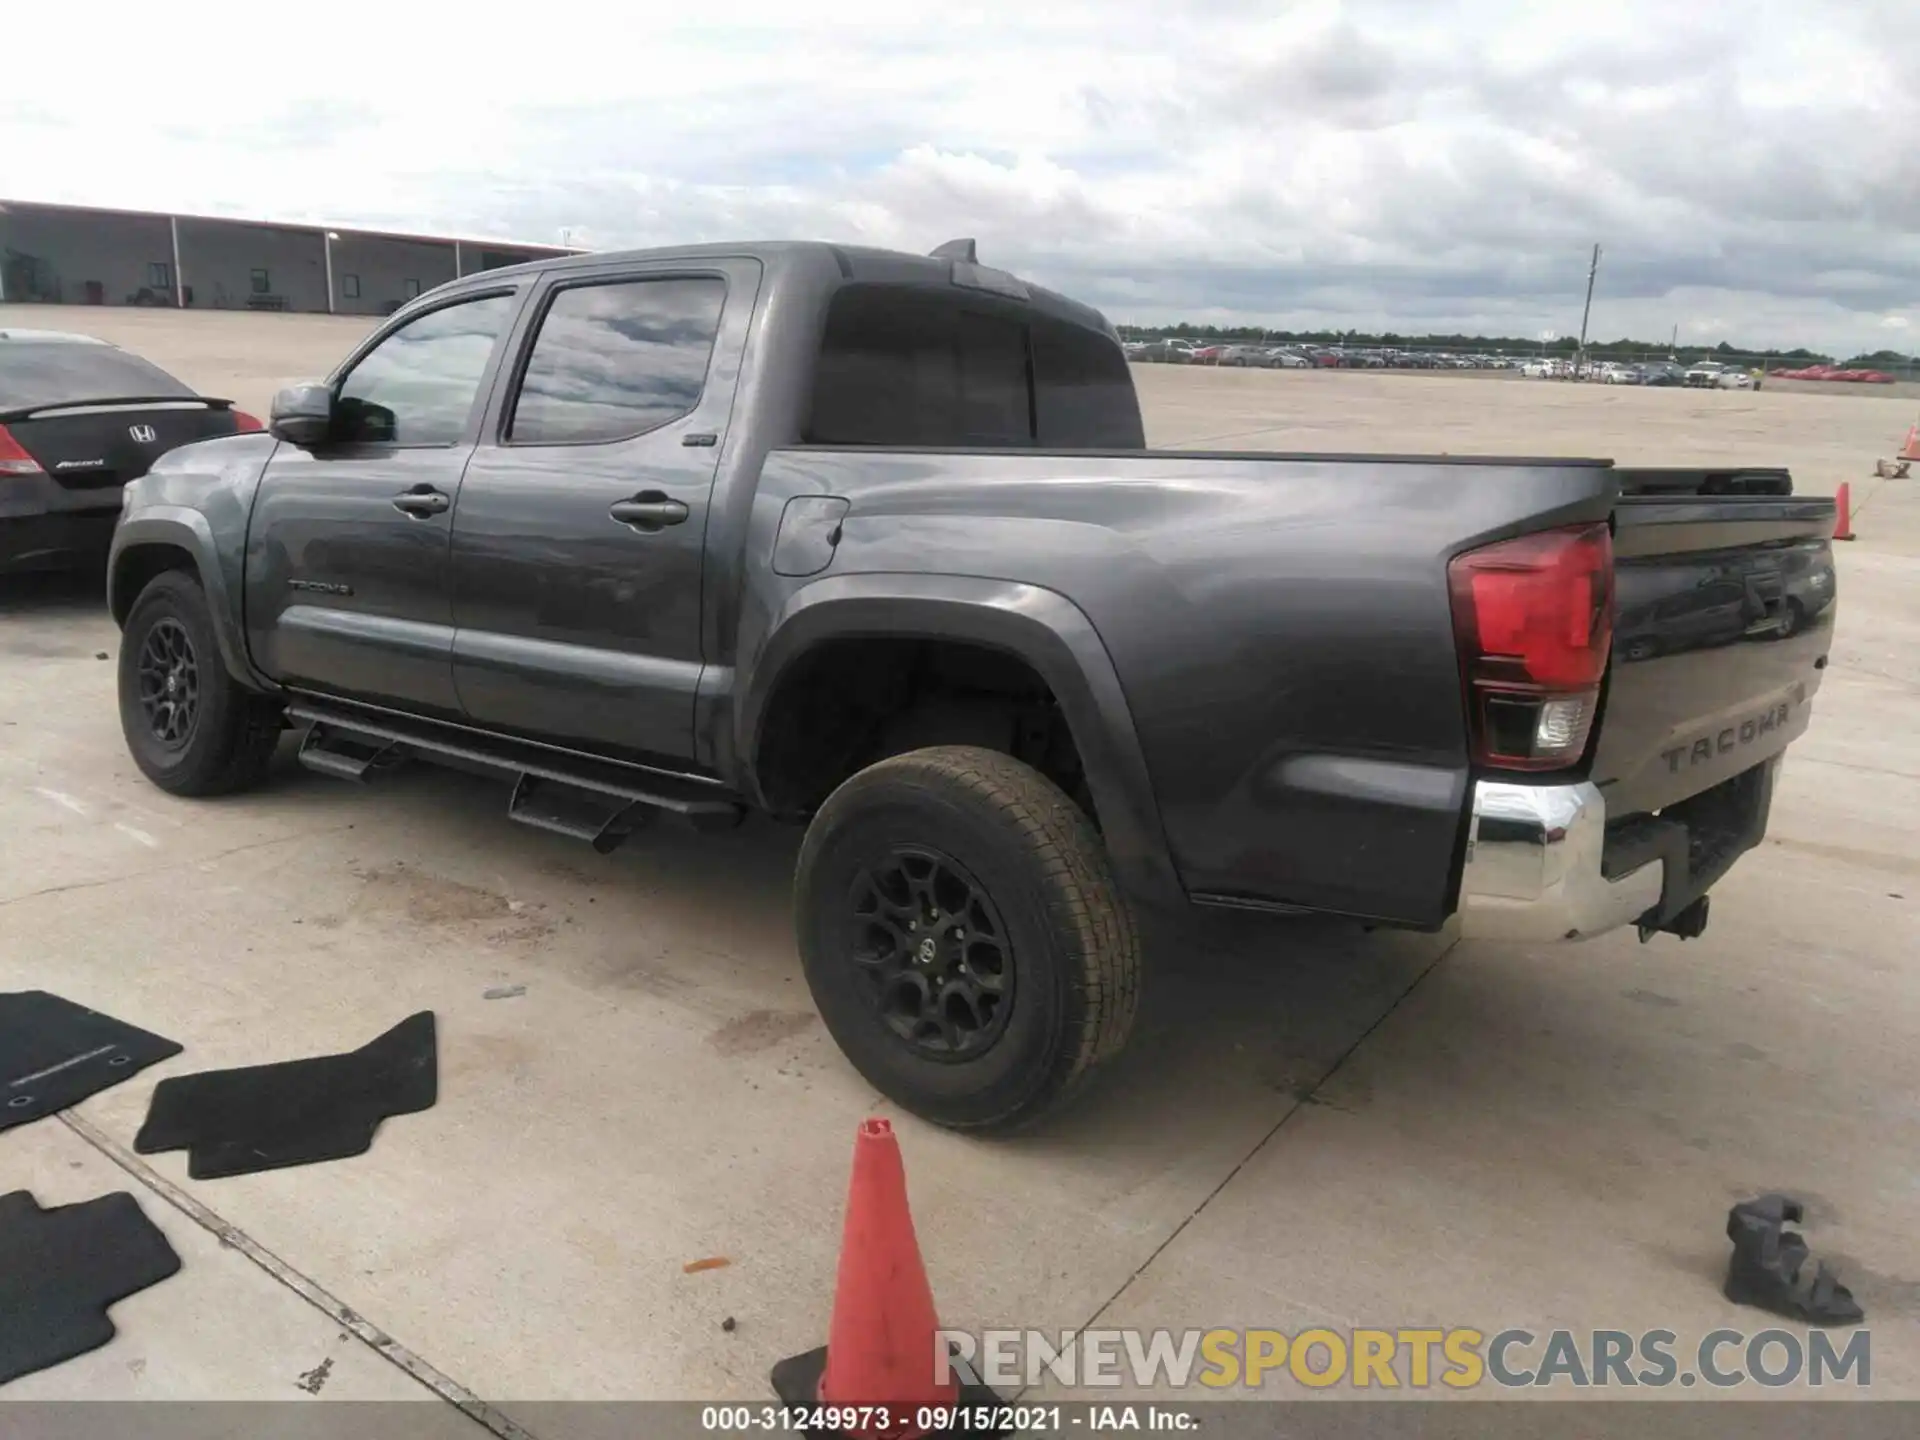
(872,542)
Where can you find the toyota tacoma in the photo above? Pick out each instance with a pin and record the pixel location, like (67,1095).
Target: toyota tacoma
(873,543)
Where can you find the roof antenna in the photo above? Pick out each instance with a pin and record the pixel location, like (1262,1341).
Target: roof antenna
(962,250)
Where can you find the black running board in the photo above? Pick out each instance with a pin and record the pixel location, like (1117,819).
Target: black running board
(600,819)
(345,755)
(577,796)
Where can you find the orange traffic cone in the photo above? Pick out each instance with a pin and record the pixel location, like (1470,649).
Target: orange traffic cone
(878,1365)
(1843,522)
(1910,450)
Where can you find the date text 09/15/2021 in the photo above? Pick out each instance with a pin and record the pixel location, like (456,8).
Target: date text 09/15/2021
(936,1419)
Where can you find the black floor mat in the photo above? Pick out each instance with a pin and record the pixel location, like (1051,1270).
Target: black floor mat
(266,1117)
(61,1268)
(54,1053)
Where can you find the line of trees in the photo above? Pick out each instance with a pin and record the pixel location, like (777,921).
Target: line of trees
(1513,345)
(1882,360)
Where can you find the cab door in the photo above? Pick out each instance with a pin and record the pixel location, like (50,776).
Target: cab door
(579,540)
(348,587)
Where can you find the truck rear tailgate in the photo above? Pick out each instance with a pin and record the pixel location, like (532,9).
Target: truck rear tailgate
(1724,612)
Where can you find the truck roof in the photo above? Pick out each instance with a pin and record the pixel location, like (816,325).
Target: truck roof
(855,264)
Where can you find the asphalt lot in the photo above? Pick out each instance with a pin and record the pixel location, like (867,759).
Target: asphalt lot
(1315,1126)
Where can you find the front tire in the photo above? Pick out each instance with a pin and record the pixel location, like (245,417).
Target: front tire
(188,726)
(963,937)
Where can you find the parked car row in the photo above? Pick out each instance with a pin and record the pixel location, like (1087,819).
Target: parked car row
(1297,356)
(1703,375)
(1618,372)
(1706,374)
(1186,352)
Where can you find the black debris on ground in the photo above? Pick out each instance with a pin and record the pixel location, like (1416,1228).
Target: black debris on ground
(54,1053)
(296,1112)
(61,1268)
(1773,1270)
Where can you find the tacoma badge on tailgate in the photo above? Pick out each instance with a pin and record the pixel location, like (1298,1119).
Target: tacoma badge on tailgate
(1734,736)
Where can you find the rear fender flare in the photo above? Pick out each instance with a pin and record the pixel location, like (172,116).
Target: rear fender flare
(1041,627)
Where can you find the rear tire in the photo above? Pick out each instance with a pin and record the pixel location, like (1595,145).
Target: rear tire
(189,727)
(987,1028)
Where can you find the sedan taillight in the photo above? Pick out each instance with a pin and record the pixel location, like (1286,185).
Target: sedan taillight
(14,459)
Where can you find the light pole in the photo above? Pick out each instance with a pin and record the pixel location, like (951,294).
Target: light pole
(1580,364)
(329,237)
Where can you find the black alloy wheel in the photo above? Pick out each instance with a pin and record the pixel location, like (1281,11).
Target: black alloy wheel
(934,952)
(169,683)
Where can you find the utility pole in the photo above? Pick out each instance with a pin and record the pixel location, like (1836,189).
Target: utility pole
(1673,341)
(1580,366)
(179,280)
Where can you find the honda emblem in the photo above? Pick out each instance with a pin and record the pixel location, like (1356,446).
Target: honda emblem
(145,434)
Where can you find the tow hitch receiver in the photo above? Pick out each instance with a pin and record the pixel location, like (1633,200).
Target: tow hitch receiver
(1688,924)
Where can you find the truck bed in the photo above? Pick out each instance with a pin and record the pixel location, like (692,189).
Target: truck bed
(1281,626)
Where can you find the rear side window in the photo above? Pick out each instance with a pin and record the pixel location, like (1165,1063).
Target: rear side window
(912,366)
(53,372)
(1084,397)
(617,360)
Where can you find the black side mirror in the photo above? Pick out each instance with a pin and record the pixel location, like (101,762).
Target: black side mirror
(302,415)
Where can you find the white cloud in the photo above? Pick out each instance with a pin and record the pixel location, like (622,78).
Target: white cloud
(1375,164)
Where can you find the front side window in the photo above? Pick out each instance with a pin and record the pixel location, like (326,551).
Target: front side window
(616,360)
(417,386)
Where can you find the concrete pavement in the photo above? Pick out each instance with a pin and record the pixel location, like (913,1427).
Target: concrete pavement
(1315,1126)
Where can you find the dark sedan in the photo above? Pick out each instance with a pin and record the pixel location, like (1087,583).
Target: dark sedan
(78,419)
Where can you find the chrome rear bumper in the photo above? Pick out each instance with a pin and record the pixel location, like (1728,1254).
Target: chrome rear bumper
(1533,867)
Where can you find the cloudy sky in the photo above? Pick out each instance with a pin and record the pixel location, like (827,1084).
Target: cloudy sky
(1751,168)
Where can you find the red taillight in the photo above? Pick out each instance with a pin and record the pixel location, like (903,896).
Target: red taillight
(14,460)
(1533,619)
(243,422)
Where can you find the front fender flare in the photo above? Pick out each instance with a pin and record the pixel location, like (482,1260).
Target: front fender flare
(181,528)
(1040,626)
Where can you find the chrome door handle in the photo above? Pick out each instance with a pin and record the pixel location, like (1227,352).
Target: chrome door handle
(649,511)
(421,503)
